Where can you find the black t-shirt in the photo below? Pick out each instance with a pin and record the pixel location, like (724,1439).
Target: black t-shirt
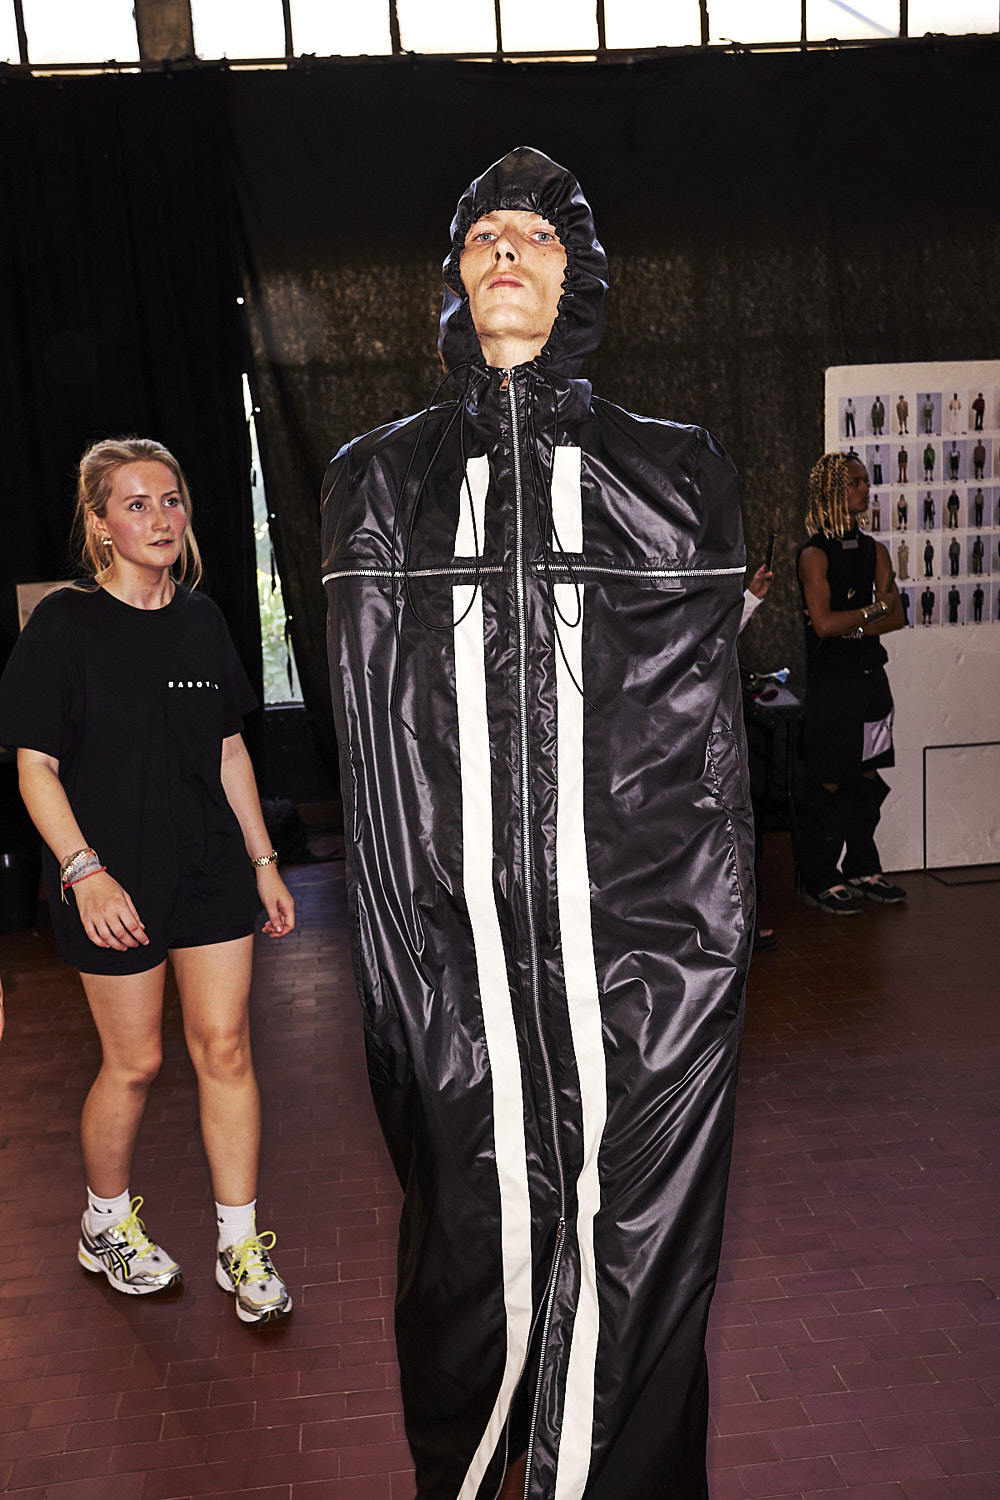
(850,571)
(134,704)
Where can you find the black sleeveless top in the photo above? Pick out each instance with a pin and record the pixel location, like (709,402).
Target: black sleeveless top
(850,569)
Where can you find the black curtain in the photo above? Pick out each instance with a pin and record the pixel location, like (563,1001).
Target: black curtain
(766,216)
(120,278)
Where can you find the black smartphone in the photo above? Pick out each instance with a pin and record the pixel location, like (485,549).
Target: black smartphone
(769,559)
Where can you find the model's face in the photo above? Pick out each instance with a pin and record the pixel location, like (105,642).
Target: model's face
(512,267)
(857,488)
(145,516)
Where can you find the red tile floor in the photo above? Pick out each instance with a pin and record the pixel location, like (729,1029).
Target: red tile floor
(856,1333)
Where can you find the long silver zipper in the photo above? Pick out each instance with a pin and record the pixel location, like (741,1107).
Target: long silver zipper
(520,589)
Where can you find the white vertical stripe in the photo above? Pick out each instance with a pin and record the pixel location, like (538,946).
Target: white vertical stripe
(567,509)
(474,487)
(498,1018)
(573,889)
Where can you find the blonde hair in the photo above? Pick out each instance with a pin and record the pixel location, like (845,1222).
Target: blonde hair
(98,467)
(827,509)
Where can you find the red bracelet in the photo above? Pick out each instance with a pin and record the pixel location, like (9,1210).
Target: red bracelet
(80,878)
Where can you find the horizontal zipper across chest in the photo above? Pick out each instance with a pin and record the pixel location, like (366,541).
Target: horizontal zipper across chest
(589,570)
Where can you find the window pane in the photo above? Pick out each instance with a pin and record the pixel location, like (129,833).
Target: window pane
(767,21)
(537,25)
(8,34)
(848,21)
(652,23)
(232,28)
(281,676)
(954,19)
(332,29)
(470,27)
(66,31)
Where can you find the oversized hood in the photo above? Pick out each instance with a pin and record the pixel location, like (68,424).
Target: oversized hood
(528,179)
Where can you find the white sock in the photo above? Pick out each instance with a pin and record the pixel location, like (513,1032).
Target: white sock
(235,1224)
(103,1212)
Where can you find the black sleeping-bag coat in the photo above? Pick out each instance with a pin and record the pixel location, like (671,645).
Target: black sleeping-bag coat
(533,606)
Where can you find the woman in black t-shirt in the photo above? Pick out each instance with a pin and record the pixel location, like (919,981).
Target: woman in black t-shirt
(125,699)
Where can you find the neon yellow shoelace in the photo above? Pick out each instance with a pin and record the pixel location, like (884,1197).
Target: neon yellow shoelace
(135,1231)
(250,1262)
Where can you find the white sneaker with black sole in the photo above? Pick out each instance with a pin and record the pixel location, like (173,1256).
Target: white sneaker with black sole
(126,1255)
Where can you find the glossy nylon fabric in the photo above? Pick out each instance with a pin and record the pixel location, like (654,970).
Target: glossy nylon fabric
(533,605)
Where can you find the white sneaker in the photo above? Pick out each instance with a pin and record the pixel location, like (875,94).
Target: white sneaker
(127,1256)
(247,1271)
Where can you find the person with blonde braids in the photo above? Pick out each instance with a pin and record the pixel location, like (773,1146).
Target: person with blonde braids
(125,698)
(850,599)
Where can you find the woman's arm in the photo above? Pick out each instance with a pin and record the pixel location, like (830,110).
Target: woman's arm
(241,793)
(885,589)
(109,918)
(838,622)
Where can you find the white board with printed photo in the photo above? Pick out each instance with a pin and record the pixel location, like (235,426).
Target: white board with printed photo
(929,435)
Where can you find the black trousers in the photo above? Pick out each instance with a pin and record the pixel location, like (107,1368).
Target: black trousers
(840,822)
(839,708)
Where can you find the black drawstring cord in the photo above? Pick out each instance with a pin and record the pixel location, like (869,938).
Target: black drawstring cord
(541,489)
(545,519)
(429,624)
(398,602)
(477,578)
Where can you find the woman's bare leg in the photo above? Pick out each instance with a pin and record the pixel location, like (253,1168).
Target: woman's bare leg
(214,986)
(128,1014)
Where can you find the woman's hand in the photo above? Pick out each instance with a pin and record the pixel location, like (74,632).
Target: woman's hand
(761,582)
(109,918)
(278,900)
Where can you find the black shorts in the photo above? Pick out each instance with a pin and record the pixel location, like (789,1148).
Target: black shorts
(848,725)
(193,914)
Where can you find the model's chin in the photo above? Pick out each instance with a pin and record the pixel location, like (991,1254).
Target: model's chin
(508,322)
(504,313)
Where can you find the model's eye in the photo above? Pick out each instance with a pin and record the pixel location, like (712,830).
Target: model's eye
(544,237)
(482,236)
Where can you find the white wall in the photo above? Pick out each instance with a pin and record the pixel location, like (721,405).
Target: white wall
(945,679)
(946,686)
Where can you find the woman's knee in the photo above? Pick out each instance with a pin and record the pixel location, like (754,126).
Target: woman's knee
(136,1071)
(221,1055)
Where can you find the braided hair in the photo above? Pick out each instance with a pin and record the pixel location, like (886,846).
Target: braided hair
(827,511)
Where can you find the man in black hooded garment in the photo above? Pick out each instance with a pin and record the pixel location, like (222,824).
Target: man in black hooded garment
(534,598)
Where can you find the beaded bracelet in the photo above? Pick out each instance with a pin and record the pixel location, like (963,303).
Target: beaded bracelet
(71,860)
(75,871)
(265,859)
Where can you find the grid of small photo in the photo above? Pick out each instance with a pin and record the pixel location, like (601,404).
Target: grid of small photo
(933,460)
